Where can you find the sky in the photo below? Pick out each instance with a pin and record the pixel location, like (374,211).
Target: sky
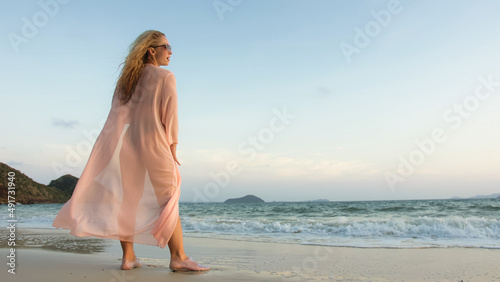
(286,100)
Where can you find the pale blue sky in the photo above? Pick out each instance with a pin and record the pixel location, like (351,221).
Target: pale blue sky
(353,119)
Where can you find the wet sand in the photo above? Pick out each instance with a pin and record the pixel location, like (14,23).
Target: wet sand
(55,255)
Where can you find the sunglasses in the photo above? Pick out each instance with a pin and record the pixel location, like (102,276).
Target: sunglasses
(168,47)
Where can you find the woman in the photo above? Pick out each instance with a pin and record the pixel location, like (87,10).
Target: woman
(130,187)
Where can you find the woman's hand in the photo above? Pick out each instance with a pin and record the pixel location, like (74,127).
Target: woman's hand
(173,149)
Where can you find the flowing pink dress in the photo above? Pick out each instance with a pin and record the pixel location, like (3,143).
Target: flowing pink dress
(130,187)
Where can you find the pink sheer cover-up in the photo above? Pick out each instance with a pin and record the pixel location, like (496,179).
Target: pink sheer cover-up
(129,190)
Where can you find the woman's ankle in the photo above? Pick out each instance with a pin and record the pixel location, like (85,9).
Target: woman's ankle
(177,256)
(129,257)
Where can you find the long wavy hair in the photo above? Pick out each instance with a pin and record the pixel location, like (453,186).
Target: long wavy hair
(135,63)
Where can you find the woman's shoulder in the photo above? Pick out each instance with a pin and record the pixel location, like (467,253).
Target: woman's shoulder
(164,72)
(161,72)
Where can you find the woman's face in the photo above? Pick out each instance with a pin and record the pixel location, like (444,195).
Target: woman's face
(161,54)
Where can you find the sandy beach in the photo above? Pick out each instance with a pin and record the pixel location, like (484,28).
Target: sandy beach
(55,255)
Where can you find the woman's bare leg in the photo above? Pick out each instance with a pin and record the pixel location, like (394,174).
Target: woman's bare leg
(132,172)
(128,250)
(176,243)
(178,258)
(129,260)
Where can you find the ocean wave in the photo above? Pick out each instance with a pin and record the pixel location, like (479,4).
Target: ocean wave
(397,224)
(421,227)
(398,209)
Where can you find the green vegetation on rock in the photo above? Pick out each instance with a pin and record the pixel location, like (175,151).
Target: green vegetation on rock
(29,191)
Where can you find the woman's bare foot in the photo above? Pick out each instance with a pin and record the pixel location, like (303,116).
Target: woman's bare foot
(130,264)
(186,265)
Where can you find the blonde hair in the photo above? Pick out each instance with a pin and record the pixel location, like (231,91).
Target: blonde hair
(135,63)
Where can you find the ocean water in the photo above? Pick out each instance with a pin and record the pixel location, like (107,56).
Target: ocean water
(369,224)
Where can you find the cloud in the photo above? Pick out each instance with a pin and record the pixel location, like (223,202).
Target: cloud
(14,163)
(322,90)
(57,122)
(312,166)
(318,166)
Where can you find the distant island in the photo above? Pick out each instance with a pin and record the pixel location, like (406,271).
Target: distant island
(29,191)
(245,199)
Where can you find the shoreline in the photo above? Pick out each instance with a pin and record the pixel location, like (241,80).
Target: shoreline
(56,255)
(254,239)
